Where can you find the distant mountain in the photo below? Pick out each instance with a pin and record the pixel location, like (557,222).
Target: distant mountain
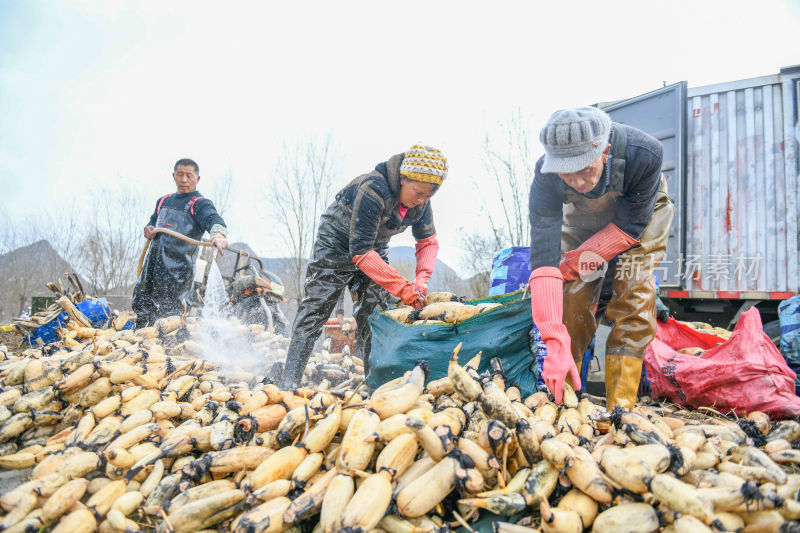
(400,257)
(25,272)
(444,278)
(227,262)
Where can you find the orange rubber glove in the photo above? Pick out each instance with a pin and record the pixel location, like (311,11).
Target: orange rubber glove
(426,251)
(547,309)
(596,251)
(390,279)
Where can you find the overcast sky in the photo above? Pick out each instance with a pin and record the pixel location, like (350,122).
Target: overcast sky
(91,91)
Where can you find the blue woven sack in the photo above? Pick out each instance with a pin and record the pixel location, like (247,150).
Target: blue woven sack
(511,269)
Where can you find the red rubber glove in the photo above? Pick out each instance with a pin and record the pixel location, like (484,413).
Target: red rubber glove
(387,277)
(411,296)
(547,308)
(596,251)
(426,252)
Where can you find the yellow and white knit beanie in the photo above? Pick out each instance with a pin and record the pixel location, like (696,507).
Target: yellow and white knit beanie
(424,163)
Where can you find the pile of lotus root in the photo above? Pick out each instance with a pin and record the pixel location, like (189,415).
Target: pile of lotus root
(131,431)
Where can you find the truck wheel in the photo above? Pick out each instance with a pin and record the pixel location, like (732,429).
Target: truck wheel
(773,331)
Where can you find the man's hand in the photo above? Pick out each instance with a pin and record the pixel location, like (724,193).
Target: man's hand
(219,242)
(148,232)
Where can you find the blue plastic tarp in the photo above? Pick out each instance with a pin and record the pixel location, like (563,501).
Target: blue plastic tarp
(97,311)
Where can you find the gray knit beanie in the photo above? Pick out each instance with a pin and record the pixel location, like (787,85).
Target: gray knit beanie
(573,138)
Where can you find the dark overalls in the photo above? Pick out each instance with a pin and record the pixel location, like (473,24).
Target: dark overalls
(361,218)
(165,287)
(327,275)
(632,305)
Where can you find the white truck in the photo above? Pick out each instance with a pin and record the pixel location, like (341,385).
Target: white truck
(731,161)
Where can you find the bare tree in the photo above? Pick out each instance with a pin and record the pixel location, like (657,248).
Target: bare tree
(64,230)
(477,261)
(16,281)
(113,240)
(407,269)
(509,164)
(442,279)
(6,231)
(450,281)
(101,242)
(299,192)
(221,192)
(61,229)
(28,260)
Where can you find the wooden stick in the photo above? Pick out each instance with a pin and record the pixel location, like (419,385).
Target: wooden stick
(167,378)
(352,394)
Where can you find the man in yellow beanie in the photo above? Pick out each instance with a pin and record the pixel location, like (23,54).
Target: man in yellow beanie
(352,246)
(597,194)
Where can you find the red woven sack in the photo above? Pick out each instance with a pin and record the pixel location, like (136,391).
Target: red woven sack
(678,335)
(746,373)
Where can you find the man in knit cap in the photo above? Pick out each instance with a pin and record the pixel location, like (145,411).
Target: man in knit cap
(597,194)
(352,245)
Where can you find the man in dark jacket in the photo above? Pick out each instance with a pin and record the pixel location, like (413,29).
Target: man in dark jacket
(352,245)
(597,193)
(166,282)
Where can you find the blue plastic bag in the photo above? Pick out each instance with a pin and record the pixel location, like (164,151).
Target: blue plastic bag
(97,311)
(511,269)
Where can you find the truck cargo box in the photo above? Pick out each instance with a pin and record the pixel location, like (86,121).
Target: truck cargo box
(730,157)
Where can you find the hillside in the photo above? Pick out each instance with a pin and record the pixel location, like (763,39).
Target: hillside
(227,262)
(25,272)
(444,277)
(400,257)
